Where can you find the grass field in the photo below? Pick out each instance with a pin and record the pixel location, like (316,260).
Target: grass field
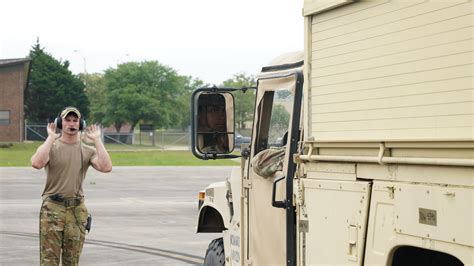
(20,153)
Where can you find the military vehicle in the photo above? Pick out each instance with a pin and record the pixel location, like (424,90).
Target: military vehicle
(378,163)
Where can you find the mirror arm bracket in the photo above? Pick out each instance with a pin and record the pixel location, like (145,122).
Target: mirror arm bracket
(213,156)
(214,88)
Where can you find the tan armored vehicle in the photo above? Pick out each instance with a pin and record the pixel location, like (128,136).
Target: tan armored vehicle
(378,163)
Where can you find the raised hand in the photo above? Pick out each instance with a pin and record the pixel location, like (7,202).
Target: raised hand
(93,133)
(51,128)
(102,161)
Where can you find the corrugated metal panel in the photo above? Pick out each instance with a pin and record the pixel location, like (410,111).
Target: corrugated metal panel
(393,70)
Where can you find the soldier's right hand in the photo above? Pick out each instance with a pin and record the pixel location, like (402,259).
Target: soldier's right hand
(52,130)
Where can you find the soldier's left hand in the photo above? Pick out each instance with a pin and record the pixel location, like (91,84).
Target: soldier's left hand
(93,132)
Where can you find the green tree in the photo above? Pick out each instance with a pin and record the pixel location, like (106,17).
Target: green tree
(190,84)
(146,92)
(280,118)
(96,94)
(284,94)
(52,87)
(244,102)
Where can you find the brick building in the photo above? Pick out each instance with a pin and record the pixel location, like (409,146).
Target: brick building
(14,75)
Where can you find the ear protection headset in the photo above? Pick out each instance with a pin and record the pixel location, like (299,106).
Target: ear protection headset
(58,121)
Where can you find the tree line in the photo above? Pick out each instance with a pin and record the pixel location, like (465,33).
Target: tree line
(132,93)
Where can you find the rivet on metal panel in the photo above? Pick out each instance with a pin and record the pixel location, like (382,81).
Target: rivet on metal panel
(428,235)
(454,239)
(427,192)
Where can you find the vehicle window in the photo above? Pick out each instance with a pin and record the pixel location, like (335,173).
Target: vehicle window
(274,118)
(280,117)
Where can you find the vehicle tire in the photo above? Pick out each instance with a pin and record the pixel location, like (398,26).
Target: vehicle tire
(215,253)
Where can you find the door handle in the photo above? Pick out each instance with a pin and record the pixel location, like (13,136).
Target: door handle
(275,203)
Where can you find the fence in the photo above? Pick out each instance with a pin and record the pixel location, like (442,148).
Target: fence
(170,139)
(164,139)
(36,132)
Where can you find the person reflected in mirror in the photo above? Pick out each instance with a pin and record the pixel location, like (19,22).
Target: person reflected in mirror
(212,124)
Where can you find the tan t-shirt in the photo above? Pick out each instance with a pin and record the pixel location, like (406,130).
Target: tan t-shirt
(64,174)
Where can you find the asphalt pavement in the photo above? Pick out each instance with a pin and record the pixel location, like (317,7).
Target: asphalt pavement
(141,215)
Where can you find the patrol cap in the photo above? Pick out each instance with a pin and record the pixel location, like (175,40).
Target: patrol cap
(69,110)
(211,99)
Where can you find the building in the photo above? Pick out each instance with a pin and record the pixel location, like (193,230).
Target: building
(14,74)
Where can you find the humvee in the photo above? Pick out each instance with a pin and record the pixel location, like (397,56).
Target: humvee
(378,165)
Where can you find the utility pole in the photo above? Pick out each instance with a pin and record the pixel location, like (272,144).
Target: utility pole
(83,58)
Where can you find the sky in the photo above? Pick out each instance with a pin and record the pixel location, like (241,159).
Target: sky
(208,39)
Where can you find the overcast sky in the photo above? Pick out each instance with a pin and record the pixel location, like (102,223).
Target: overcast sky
(208,39)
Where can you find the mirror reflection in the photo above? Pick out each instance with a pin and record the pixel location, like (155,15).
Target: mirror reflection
(212,124)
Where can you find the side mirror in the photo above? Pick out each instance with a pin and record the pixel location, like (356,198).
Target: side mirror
(212,124)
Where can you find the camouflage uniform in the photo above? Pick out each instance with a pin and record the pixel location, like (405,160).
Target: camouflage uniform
(62,228)
(268,161)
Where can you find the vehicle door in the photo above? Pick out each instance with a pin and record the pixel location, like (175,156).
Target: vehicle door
(268,229)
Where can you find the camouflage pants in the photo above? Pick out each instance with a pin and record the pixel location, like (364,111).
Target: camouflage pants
(62,233)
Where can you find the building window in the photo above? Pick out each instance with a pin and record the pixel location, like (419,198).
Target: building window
(4,117)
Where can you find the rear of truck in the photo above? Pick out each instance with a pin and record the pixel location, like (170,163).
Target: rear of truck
(386,169)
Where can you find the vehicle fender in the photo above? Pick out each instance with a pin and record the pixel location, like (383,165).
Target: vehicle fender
(214,214)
